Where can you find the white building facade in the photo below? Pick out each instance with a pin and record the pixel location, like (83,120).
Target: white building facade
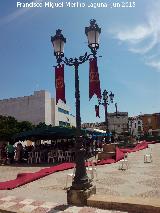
(135,125)
(118,123)
(36,108)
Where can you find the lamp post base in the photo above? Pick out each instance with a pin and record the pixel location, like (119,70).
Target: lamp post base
(81,184)
(79,197)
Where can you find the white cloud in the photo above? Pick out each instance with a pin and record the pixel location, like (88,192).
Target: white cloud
(134,35)
(11,17)
(155,64)
(145,48)
(144,38)
(17,13)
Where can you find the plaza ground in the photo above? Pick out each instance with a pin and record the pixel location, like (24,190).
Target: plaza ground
(140,180)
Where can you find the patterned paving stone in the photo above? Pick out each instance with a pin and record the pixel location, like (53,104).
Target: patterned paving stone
(34,206)
(41,210)
(16,207)
(27,201)
(87,210)
(7,204)
(73,209)
(17,200)
(37,203)
(48,205)
(8,198)
(28,209)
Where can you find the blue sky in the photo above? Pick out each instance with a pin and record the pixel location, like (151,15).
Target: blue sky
(129,46)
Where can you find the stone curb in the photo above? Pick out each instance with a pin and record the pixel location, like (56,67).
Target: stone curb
(128,204)
(6,211)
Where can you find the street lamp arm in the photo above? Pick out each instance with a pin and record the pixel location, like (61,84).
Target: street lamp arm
(104,104)
(77,61)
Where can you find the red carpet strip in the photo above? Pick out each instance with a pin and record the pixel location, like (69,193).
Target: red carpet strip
(24,178)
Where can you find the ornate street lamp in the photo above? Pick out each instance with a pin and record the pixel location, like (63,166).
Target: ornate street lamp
(92,32)
(107,99)
(58,43)
(81,180)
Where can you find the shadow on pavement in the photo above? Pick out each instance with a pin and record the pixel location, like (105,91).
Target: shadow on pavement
(59,208)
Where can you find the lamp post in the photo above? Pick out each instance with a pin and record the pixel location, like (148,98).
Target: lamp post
(107,99)
(81,180)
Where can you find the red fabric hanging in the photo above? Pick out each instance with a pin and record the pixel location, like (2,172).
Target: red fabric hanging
(94,82)
(97,110)
(59,83)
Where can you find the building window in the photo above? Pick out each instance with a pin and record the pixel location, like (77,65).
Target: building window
(135,125)
(62,123)
(63,111)
(139,122)
(149,120)
(139,129)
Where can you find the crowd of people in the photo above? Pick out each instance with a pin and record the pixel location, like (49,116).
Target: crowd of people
(11,153)
(17,153)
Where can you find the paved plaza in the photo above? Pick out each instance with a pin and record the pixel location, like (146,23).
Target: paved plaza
(140,180)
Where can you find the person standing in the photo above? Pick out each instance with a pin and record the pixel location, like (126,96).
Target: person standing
(10,152)
(3,154)
(19,153)
(112,139)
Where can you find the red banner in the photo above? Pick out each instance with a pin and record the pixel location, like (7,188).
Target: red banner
(97,110)
(59,83)
(94,82)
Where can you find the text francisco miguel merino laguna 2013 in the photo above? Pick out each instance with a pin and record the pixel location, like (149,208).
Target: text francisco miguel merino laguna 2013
(49,4)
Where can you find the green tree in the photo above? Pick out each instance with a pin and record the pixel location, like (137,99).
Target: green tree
(25,126)
(41,125)
(9,126)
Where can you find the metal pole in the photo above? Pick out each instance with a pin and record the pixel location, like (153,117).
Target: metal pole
(106,119)
(81,180)
(77,97)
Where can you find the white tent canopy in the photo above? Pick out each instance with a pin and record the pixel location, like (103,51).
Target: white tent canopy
(96,130)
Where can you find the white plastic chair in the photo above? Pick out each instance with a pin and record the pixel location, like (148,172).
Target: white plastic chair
(51,156)
(91,169)
(124,162)
(70,175)
(68,155)
(37,157)
(31,157)
(148,155)
(61,156)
